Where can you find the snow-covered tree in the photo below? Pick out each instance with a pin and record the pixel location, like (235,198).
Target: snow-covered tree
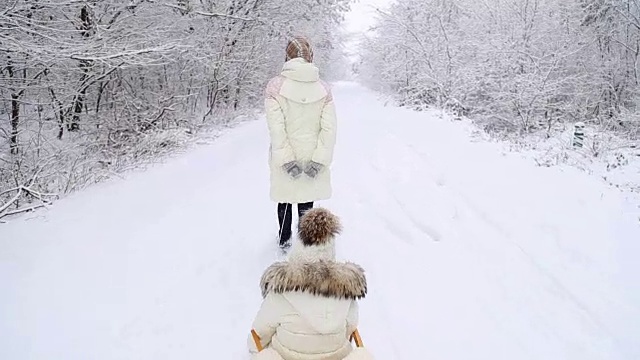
(90,87)
(513,65)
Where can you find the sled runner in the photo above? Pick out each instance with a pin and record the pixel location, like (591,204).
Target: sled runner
(360,353)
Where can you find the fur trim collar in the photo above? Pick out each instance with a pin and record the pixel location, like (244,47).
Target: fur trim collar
(324,278)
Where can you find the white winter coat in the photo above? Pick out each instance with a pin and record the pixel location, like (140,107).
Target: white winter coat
(309,310)
(301,119)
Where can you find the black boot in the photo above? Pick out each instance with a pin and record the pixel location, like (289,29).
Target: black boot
(284,220)
(303,208)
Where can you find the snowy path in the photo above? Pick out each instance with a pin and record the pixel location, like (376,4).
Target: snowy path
(470,253)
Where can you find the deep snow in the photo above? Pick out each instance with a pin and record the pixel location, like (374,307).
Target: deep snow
(471,252)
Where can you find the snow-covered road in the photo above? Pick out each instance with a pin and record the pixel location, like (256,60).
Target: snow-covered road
(471,252)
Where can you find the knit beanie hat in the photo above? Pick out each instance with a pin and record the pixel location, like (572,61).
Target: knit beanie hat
(299,47)
(316,231)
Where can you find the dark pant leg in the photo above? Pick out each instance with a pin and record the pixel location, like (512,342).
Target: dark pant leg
(303,208)
(284,220)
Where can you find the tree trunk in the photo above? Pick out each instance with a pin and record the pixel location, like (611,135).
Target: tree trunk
(15,120)
(78,101)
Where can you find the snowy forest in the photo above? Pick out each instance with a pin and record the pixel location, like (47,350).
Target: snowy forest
(89,88)
(514,66)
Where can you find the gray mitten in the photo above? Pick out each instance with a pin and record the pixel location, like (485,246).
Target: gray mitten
(313,169)
(293,169)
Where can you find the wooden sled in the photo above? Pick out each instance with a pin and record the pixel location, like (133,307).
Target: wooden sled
(355,336)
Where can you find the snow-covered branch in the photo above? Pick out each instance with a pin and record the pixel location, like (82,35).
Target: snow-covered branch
(86,57)
(14,201)
(214,15)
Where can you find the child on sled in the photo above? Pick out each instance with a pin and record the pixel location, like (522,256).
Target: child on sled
(310,302)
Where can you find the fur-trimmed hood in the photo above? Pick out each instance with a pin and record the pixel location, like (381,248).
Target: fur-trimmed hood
(317,230)
(318,226)
(323,278)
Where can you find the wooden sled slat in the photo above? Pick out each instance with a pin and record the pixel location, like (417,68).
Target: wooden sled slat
(256,339)
(356,337)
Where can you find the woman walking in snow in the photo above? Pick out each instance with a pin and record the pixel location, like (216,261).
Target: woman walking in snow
(301,118)
(310,302)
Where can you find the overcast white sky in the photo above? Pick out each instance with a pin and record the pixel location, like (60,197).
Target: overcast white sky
(362,15)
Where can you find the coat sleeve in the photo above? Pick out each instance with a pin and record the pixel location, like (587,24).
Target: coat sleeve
(352,318)
(266,321)
(323,153)
(281,150)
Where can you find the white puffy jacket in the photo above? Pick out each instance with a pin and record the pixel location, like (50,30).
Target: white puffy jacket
(301,118)
(309,310)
